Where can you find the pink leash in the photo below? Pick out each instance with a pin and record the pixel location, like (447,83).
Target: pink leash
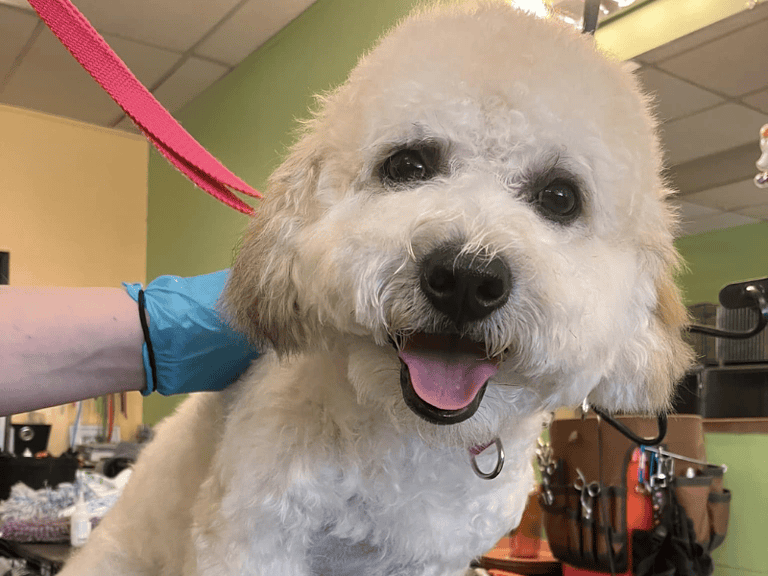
(157,124)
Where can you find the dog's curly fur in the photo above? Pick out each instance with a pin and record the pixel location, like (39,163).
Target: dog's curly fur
(313,463)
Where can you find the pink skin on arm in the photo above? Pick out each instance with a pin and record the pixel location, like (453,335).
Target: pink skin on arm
(58,345)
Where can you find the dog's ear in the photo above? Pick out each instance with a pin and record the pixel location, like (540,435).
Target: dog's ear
(261,296)
(672,356)
(656,357)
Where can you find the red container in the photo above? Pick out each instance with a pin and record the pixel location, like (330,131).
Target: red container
(525,540)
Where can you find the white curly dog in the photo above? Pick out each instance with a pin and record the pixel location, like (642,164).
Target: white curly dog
(471,232)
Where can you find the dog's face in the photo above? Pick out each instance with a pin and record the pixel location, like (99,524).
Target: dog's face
(477,214)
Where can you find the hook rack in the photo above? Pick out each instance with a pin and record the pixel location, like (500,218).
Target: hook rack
(749,294)
(662,452)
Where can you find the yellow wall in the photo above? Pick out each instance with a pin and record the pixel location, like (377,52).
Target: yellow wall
(73,212)
(73,201)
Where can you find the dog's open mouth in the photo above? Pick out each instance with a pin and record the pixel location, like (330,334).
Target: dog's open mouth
(444,376)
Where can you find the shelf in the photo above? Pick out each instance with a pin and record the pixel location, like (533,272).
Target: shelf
(736,425)
(745,367)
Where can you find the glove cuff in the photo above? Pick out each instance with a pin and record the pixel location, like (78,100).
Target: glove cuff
(148,353)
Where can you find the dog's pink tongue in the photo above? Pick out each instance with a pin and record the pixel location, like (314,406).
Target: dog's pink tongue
(448,380)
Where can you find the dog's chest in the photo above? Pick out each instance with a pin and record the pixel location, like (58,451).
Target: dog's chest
(414,525)
(331,555)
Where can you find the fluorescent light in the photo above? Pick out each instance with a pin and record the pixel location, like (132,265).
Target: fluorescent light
(535,7)
(573,10)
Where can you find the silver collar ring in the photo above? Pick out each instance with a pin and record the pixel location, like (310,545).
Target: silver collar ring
(477,450)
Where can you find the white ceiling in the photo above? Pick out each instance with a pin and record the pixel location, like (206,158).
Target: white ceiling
(711,86)
(711,89)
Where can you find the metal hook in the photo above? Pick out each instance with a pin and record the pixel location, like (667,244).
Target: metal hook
(749,294)
(499,461)
(661,422)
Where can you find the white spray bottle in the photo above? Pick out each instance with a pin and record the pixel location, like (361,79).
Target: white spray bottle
(80,523)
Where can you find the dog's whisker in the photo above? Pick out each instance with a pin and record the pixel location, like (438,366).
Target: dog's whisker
(411,253)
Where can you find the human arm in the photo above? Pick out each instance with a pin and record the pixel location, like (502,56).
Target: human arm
(60,345)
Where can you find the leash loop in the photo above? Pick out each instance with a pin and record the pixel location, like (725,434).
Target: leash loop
(477,450)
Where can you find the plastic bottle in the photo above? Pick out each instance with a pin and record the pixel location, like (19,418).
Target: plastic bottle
(80,524)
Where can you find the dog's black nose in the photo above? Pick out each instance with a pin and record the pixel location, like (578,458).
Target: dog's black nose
(464,286)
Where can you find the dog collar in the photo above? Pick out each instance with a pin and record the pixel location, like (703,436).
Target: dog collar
(478,449)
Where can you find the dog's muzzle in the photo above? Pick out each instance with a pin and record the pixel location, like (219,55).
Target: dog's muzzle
(464,287)
(444,376)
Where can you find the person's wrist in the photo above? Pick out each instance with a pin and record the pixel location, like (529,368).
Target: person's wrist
(188,347)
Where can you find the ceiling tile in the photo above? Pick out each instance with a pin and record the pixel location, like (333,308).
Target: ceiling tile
(674,97)
(148,64)
(249,27)
(760,211)
(725,65)
(172,25)
(194,76)
(691,214)
(15,29)
(731,197)
(716,222)
(716,30)
(23,4)
(50,80)
(711,131)
(759,101)
(690,211)
(706,172)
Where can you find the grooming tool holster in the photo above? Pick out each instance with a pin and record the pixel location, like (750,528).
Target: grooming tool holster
(580,525)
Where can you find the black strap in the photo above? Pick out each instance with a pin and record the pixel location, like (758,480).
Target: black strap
(603,504)
(591,12)
(145,330)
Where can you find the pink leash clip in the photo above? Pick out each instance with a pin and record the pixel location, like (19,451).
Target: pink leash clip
(94,54)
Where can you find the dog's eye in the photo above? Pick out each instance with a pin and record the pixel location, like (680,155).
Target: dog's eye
(408,165)
(559,201)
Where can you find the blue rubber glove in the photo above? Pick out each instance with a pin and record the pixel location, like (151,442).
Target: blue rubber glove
(194,349)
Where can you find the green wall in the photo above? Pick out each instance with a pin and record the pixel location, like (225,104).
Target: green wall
(744,551)
(713,260)
(721,257)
